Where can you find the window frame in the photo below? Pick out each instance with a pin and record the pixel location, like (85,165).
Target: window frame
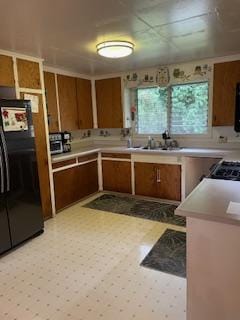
(206,135)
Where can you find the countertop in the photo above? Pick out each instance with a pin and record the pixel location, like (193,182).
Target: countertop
(210,201)
(187,152)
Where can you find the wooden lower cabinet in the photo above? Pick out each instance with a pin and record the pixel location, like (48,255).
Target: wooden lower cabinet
(158,180)
(116,176)
(75,183)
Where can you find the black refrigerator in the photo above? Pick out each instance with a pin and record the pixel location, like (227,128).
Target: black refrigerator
(20,202)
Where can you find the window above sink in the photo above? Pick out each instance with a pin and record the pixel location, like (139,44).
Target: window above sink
(182,109)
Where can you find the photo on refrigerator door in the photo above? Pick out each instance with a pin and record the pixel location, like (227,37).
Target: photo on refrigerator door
(14,119)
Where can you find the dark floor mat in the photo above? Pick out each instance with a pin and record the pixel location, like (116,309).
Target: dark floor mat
(168,254)
(145,209)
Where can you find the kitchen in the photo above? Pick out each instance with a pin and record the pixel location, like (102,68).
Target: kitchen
(121,144)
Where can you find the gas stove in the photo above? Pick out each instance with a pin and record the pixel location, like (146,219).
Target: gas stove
(226,170)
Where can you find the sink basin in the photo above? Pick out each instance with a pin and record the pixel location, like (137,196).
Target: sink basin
(161,149)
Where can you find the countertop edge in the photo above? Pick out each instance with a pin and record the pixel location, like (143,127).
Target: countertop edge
(207,217)
(73,154)
(183,153)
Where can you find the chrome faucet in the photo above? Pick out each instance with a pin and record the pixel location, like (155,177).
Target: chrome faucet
(165,136)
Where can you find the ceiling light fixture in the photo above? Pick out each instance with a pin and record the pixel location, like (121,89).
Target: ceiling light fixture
(115,49)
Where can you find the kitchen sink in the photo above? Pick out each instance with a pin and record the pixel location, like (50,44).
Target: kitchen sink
(161,149)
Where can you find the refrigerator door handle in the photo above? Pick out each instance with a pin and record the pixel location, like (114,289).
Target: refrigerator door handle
(1,171)
(6,159)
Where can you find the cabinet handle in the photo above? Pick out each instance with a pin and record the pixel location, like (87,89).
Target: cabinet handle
(158,176)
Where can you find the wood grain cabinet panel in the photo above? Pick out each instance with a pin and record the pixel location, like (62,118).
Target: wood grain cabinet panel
(146,179)
(87,157)
(116,155)
(116,176)
(84,102)
(88,177)
(68,102)
(28,74)
(226,77)
(51,99)
(73,184)
(169,181)
(42,158)
(66,187)
(109,103)
(6,71)
(158,180)
(64,163)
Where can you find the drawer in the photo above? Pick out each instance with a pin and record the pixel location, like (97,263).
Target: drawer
(116,155)
(88,157)
(64,163)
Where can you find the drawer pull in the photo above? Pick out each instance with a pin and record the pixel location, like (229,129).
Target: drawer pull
(158,176)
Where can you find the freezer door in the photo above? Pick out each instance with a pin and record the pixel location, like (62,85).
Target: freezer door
(21,175)
(23,199)
(5,241)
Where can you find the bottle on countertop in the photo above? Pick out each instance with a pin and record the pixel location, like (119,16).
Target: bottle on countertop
(129,142)
(149,142)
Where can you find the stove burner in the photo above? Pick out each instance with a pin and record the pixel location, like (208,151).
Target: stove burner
(227,170)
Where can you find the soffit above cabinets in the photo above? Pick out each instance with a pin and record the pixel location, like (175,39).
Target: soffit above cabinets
(65,32)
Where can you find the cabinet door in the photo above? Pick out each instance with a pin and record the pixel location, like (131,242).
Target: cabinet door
(109,103)
(146,179)
(66,187)
(67,102)
(226,77)
(169,181)
(116,176)
(51,99)
(88,179)
(84,101)
(72,184)
(28,74)
(6,71)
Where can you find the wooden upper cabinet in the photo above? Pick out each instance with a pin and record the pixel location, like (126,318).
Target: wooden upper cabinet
(51,99)
(68,108)
(226,77)
(109,103)
(84,102)
(6,71)
(28,74)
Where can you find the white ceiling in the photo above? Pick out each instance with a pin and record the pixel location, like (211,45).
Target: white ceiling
(65,32)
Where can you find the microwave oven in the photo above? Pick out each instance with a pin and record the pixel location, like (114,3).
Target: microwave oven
(60,142)
(56,144)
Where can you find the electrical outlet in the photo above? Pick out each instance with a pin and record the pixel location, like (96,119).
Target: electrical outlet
(222,139)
